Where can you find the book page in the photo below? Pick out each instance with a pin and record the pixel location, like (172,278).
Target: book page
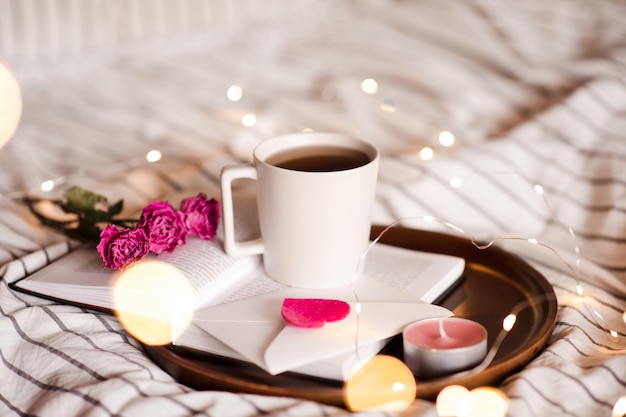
(77,277)
(202,262)
(80,277)
(209,270)
(422,274)
(258,284)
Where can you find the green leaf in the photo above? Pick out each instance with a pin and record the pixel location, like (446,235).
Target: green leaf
(80,200)
(116,208)
(95,216)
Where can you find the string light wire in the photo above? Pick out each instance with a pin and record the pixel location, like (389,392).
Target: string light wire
(595,316)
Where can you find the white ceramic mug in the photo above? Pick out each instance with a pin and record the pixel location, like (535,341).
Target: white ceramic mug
(314,220)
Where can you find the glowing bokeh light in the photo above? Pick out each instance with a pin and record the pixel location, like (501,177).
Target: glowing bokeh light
(456,182)
(509,322)
(234,93)
(384,383)
(619,409)
(427,153)
(484,402)
(369,86)
(153,301)
(248,119)
(47,185)
(449,400)
(579,290)
(10,105)
(153,156)
(446,139)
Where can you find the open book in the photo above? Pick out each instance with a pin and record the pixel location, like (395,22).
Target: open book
(237,306)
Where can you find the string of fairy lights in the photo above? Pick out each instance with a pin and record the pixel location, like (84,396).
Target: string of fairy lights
(451,401)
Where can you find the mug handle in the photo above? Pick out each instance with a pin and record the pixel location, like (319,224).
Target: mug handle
(231,246)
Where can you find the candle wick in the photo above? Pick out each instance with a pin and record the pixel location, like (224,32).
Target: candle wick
(442,331)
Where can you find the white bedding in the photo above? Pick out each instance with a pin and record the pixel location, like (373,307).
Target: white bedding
(534,93)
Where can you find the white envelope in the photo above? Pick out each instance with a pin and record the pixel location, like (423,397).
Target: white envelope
(254,327)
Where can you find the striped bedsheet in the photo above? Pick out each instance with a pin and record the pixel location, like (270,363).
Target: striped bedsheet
(534,94)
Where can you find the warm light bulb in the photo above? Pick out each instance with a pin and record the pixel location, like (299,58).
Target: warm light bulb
(456,182)
(248,120)
(10,105)
(619,409)
(509,322)
(234,93)
(384,383)
(446,139)
(579,290)
(153,301)
(369,86)
(450,399)
(427,153)
(484,402)
(47,185)
(153,156)
(357,308)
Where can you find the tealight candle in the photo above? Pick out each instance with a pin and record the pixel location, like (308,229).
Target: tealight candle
(442,346)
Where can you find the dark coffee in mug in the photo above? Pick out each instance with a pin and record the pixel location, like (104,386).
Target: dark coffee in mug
(319,159)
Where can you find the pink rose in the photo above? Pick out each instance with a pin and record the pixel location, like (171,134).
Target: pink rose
(120,247)
(164,226)
(201,216)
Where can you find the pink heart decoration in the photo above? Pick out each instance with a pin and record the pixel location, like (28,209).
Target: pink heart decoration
(313,312)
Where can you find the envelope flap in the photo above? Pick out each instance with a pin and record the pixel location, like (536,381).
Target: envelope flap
(294,347)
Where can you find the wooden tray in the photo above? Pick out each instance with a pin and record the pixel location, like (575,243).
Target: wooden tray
(494,282)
